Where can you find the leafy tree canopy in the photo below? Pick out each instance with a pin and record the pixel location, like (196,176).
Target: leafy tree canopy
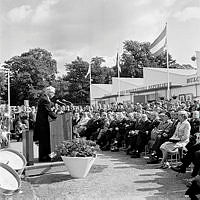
(100,74)
(136,56)
(78,85)
(30,73)
(3,86)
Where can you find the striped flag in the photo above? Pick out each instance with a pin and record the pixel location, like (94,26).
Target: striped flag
(117,63)
(158,46)
(88,72)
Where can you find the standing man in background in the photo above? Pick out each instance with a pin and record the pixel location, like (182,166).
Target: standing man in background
(42,127)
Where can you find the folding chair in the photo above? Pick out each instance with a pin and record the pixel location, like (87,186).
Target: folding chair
(178,155)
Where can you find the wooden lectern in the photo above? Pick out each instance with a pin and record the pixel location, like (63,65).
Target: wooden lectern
(27,141)
(60,129)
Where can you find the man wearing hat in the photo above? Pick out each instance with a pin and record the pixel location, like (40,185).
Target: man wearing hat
(42,128)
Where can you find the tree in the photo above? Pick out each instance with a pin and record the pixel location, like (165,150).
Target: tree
(108,74)
(136,56)
(78,84)
(3,86)
(100,74)
(184,66)
(30,73)
(161,61)
(61,86)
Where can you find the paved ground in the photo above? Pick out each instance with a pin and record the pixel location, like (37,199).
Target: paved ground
(114,176)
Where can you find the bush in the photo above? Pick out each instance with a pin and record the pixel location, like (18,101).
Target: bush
(77,148)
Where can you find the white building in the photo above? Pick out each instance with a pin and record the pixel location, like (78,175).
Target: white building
(184,83)
(109,92)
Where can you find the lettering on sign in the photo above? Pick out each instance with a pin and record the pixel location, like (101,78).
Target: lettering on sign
(150,87)
(193,80)
(161,85)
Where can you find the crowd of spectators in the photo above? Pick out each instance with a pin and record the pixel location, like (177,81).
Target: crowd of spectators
(159,129)
(21,117)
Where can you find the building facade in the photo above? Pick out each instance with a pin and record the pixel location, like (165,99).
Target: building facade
(182,83)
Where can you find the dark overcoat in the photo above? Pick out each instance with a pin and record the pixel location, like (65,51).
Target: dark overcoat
(42,128)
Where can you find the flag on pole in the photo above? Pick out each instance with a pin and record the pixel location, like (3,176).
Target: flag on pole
(117,63)
(88,72)
(118,72)
(158,46)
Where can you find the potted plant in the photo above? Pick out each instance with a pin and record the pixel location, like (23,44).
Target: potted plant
(78,155)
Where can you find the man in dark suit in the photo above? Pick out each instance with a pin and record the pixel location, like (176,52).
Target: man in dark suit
(142,135)
(42,128)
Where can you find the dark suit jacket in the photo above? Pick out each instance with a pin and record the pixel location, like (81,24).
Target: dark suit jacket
(154,124)
(144,126)
(42,129)
(195,123)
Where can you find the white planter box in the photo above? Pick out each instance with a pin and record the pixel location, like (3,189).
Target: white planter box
(78,167)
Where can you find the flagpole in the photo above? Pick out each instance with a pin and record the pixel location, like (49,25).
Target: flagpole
(90,85)
(168,84)
(118,77)
(8,71)
(118,86)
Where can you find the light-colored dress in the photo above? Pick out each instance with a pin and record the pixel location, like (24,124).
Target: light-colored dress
(182,133)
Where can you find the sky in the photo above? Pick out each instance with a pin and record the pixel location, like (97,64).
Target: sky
(89,28)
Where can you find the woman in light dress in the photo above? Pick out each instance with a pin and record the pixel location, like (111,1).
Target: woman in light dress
(178,140)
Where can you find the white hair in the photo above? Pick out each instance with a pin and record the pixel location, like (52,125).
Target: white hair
(50,89)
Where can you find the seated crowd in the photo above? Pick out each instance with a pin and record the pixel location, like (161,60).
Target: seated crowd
(159,129)
(20,119)
(155,128)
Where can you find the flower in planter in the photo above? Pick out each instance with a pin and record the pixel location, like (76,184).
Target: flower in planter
(76,148)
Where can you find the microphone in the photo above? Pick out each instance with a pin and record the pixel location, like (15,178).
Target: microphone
(67,101)
(60,102)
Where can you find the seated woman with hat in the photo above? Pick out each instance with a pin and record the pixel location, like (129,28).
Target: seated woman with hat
(178,140)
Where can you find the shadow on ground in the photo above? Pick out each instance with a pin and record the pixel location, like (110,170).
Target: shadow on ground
(168,186)
(162,184)
(98,168)
(49,178)
(59,177)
